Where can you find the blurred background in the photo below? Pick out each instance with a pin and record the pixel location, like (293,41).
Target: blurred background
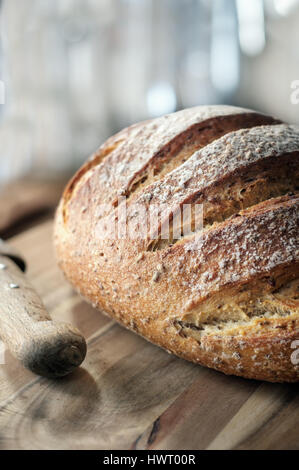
(73,72)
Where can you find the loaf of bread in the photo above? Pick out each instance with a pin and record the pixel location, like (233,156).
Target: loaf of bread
(222,293)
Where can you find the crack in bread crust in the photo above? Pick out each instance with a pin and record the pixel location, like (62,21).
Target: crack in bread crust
(147,151)
(257,183)
(241,157)
(258,308)
(184,145)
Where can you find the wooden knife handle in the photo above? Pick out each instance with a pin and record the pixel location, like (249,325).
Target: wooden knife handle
(47,348)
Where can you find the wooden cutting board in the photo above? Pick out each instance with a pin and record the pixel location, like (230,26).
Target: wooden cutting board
(130,394)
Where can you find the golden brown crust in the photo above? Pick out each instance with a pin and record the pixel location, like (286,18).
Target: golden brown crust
(216,297)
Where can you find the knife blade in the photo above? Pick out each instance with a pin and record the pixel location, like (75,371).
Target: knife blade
(48,348)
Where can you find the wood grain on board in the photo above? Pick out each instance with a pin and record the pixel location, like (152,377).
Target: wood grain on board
(130,394)
(24,202)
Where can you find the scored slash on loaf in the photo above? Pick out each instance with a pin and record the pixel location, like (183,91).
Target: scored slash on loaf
(225,296)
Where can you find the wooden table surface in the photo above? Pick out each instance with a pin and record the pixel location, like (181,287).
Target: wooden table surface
(129,394)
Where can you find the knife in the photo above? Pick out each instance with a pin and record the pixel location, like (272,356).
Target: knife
(47,348)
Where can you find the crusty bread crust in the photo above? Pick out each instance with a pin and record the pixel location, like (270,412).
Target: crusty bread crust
(226,296)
